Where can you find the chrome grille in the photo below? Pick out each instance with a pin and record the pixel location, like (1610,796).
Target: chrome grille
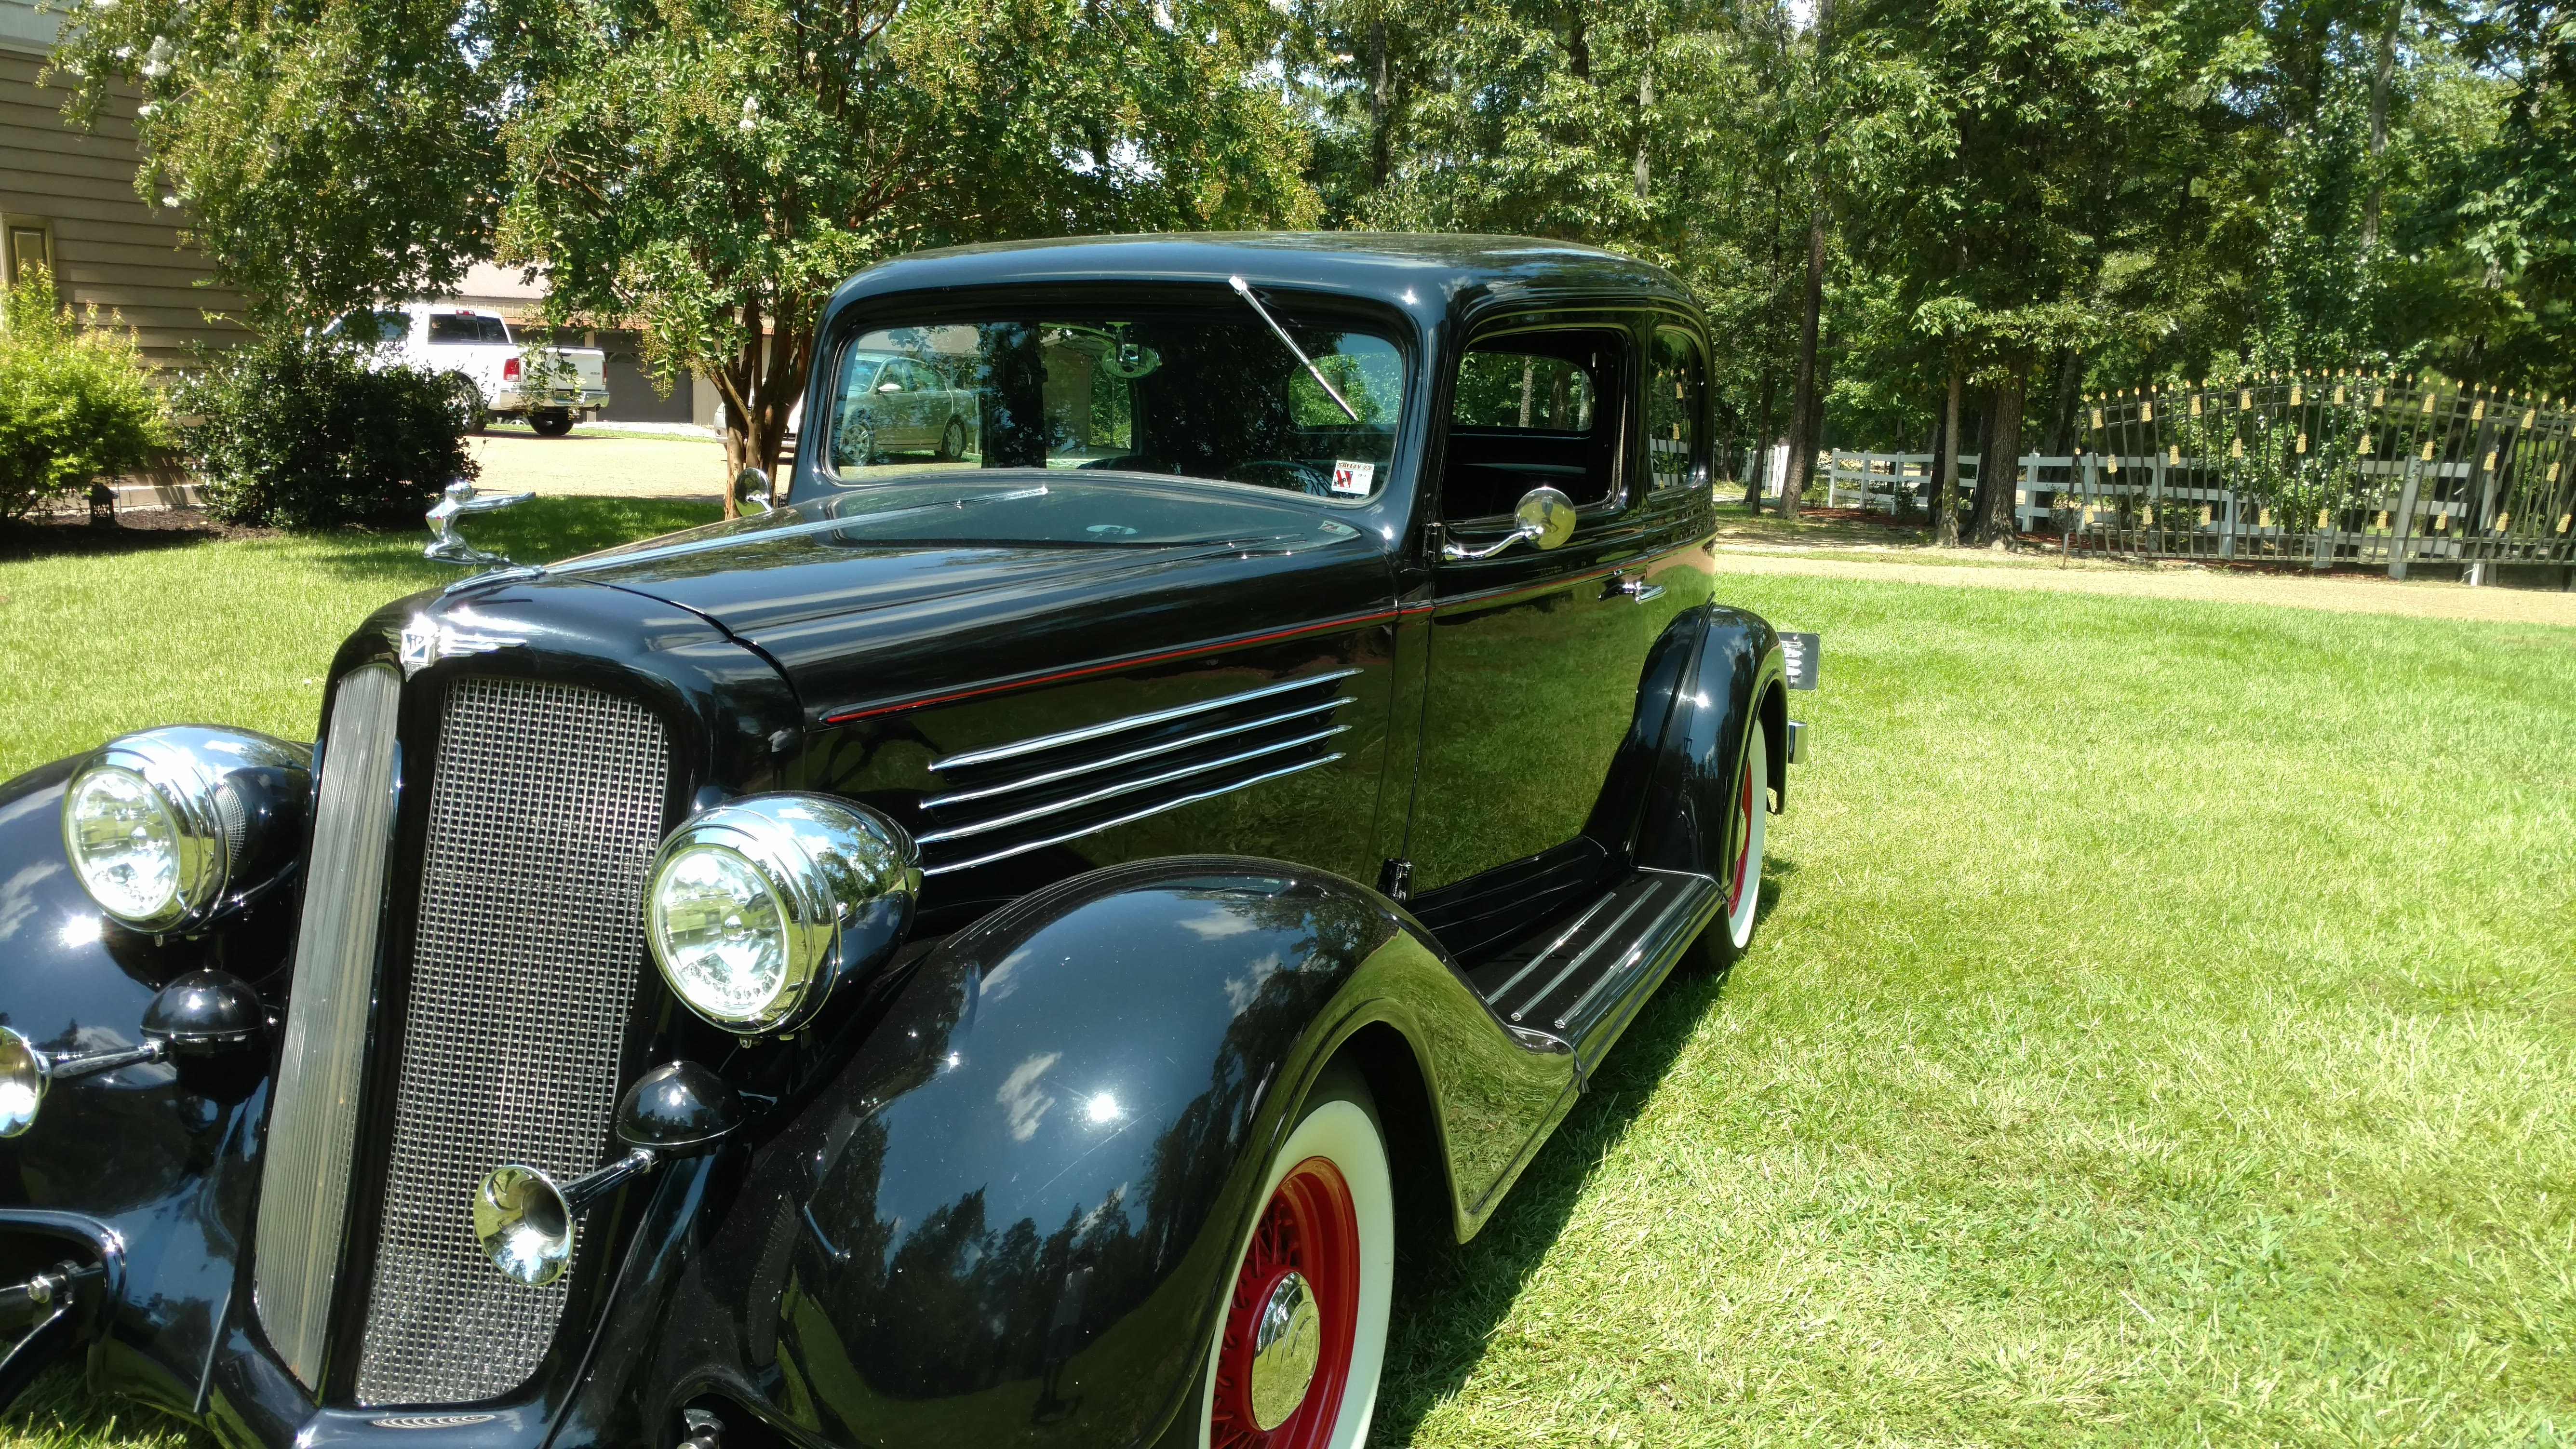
(1016,798)
(304,1186)
(544,811)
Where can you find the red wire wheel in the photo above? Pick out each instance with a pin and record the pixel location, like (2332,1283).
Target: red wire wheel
(1309,1231)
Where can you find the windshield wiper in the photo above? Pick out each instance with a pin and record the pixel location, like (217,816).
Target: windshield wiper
(1243,289)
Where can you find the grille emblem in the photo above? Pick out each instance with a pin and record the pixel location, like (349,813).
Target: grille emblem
(425,640)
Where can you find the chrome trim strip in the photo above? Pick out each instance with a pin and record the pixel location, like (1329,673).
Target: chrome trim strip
(1114,761)
(1684,898)
(313,1126)
(1554,946)
(1129,787)
(1129,722)
(1155,809)
(1608,934)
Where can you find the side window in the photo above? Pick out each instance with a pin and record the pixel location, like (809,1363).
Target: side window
(458,328)
(1532,409)
(1676,400)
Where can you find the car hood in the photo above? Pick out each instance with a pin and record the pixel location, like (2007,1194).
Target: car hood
(907,592)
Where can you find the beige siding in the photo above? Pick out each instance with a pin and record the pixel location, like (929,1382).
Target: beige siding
(111,248)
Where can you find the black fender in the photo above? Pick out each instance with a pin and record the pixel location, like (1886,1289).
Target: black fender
(1010,1217)
(1735,673)
(148,1169)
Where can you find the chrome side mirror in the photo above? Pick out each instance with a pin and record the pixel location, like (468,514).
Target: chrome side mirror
(751,492)
(1546,519)
(26,1073)
(446,545)
(524,1219)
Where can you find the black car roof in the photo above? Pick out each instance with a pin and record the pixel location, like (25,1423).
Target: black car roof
(1422,273)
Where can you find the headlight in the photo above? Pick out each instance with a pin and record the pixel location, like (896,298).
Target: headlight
(758,908)
(166,827)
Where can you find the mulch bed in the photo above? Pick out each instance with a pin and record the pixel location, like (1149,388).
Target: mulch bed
(69,534)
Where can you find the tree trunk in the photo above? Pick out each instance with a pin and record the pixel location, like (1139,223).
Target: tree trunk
(1804,422)
(1945,494)
(1380,95)
(1999,473)
(761,385)
(1761,440)
(2061,419)
(1985,450)
(2379,126)
(1645,110)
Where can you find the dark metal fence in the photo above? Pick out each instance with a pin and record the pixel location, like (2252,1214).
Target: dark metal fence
(2322,471)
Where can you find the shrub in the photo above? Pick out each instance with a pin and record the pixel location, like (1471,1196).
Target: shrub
(76,403)
(296,431)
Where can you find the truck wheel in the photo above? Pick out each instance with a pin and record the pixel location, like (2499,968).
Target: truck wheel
(952,441)
(465,399)
(1296,1357)
(1727,937)
(551,422)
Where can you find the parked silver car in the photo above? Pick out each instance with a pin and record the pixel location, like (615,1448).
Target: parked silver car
(896,404)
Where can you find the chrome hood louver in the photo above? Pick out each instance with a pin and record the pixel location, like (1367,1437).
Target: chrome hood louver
(1024,796)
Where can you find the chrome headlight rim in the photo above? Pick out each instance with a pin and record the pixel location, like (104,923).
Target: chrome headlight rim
(192,795)
(843,876)
(197,776)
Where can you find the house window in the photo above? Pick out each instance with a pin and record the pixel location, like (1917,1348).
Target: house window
(26,243)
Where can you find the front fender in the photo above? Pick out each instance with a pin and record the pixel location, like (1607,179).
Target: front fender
(1010,1220)
(150,1162)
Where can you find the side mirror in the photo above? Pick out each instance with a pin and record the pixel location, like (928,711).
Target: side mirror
(751,492)
(1546,519)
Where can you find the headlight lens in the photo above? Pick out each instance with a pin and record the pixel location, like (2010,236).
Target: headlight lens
(167,827)
(722,931)
(124,844)
(756,909)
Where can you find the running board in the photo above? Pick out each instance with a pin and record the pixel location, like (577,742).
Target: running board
(1581,978)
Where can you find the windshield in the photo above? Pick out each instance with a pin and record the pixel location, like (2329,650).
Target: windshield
(1202,392)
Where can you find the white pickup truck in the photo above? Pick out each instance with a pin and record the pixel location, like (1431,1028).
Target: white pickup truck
(548,386)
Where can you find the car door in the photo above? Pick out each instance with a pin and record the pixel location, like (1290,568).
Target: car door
(1536,655)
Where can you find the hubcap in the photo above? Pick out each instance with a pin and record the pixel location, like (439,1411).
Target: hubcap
(1289,1328)
(1287,1340)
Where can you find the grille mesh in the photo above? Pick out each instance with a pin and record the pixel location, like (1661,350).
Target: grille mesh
(543,815)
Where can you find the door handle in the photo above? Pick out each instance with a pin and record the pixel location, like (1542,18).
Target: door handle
(1636,589)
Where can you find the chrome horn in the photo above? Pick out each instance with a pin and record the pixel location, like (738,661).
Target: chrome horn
(524,1219)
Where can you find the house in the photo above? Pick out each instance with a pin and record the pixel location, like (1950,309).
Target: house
(67,202)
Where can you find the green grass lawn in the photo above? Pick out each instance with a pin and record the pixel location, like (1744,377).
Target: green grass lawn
(2161,1030)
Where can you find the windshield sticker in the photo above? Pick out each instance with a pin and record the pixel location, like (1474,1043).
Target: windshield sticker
(1353,479)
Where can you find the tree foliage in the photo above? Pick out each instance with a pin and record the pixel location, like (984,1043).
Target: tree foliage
(2040,198)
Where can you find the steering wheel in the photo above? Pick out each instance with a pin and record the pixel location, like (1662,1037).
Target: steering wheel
(1283,473)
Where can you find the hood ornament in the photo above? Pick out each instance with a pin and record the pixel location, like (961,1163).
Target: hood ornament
(446,545)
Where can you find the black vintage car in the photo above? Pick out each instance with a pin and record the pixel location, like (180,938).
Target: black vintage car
(976,955)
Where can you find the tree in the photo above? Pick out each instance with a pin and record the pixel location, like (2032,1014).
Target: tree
(705,169)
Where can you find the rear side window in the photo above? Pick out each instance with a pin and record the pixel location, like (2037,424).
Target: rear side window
(457,329)
(1533,409)
(372,327)
(1676,398)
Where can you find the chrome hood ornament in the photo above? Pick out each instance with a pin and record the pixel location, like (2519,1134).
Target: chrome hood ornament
(446,545)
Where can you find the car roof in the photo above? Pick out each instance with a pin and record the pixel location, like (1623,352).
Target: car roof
(1422,273)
